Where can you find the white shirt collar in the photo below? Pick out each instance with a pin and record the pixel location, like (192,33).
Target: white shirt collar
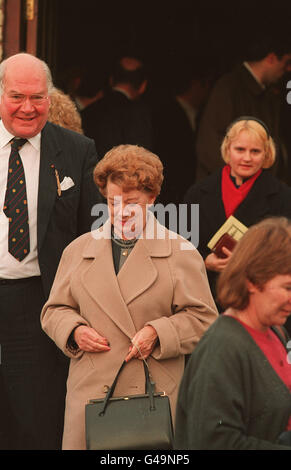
(121,90)
(248,67)
(5,138)
(79,104)
(189,110)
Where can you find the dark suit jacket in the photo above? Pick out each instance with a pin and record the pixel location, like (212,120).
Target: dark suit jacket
(60,219)
(268,197)
(115,120)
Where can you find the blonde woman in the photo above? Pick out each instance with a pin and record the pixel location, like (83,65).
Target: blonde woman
(244,187)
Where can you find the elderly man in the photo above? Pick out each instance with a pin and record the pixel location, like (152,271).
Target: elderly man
(46,192)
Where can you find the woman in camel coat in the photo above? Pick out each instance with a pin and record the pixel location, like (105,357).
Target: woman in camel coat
(125,291)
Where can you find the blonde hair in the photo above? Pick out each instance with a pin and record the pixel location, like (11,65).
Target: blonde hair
(131,167)
(255,129)
(63,111)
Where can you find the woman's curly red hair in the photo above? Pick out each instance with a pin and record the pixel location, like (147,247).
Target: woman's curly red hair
(131,167)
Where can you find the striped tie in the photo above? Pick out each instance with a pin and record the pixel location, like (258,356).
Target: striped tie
(15,204)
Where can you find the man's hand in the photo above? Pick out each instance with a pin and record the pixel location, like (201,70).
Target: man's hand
(89,340)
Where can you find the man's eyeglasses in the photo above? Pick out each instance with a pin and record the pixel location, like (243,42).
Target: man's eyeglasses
(20,99)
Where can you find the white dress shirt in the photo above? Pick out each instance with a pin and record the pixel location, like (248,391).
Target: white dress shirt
(10,268)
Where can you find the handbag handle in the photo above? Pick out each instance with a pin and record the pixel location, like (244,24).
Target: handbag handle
(149,388)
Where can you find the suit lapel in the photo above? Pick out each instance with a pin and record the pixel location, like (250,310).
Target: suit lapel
(49,159)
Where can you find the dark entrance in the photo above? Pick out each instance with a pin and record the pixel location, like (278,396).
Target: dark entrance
(73,33)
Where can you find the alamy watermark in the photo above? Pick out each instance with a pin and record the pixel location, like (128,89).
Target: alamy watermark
(182,219)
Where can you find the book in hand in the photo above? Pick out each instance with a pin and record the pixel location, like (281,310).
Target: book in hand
(228,235)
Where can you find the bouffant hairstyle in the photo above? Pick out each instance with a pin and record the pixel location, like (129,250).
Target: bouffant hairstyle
(262,253)
(131,167)
(63,111)
(255,129)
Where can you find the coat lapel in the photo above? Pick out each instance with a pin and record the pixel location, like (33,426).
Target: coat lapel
(113,293)
(101,283)
(50,154)
(139,272)
(256,205)
(212,199)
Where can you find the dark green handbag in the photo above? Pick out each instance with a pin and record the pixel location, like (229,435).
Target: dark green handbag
(131,422)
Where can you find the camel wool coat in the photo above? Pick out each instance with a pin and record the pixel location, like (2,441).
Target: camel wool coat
(161,284)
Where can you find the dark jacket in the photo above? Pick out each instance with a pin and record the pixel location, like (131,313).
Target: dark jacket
(268,197)
(174,143)
(60,219)
(115,120)
(230,396)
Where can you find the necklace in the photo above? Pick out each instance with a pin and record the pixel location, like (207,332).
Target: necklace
(125,245)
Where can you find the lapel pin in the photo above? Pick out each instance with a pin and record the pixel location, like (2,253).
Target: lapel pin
(59,190)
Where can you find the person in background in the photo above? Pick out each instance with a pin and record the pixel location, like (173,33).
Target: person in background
(63,111)
(46,192)
(246,90)
(91,88)
(120,116)
(235,392)
(130,290)
(175,116)
(244,188)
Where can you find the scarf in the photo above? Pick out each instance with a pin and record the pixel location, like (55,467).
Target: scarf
(232,196)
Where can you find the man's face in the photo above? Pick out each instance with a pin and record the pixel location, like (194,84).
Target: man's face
(24,104)
(280,66)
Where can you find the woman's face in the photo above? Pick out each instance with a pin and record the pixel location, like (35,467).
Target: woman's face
(127,210)
(246,156)
(271,305)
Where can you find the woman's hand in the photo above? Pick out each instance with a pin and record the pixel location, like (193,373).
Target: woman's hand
(214,263)
(89,340)
(145,340)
